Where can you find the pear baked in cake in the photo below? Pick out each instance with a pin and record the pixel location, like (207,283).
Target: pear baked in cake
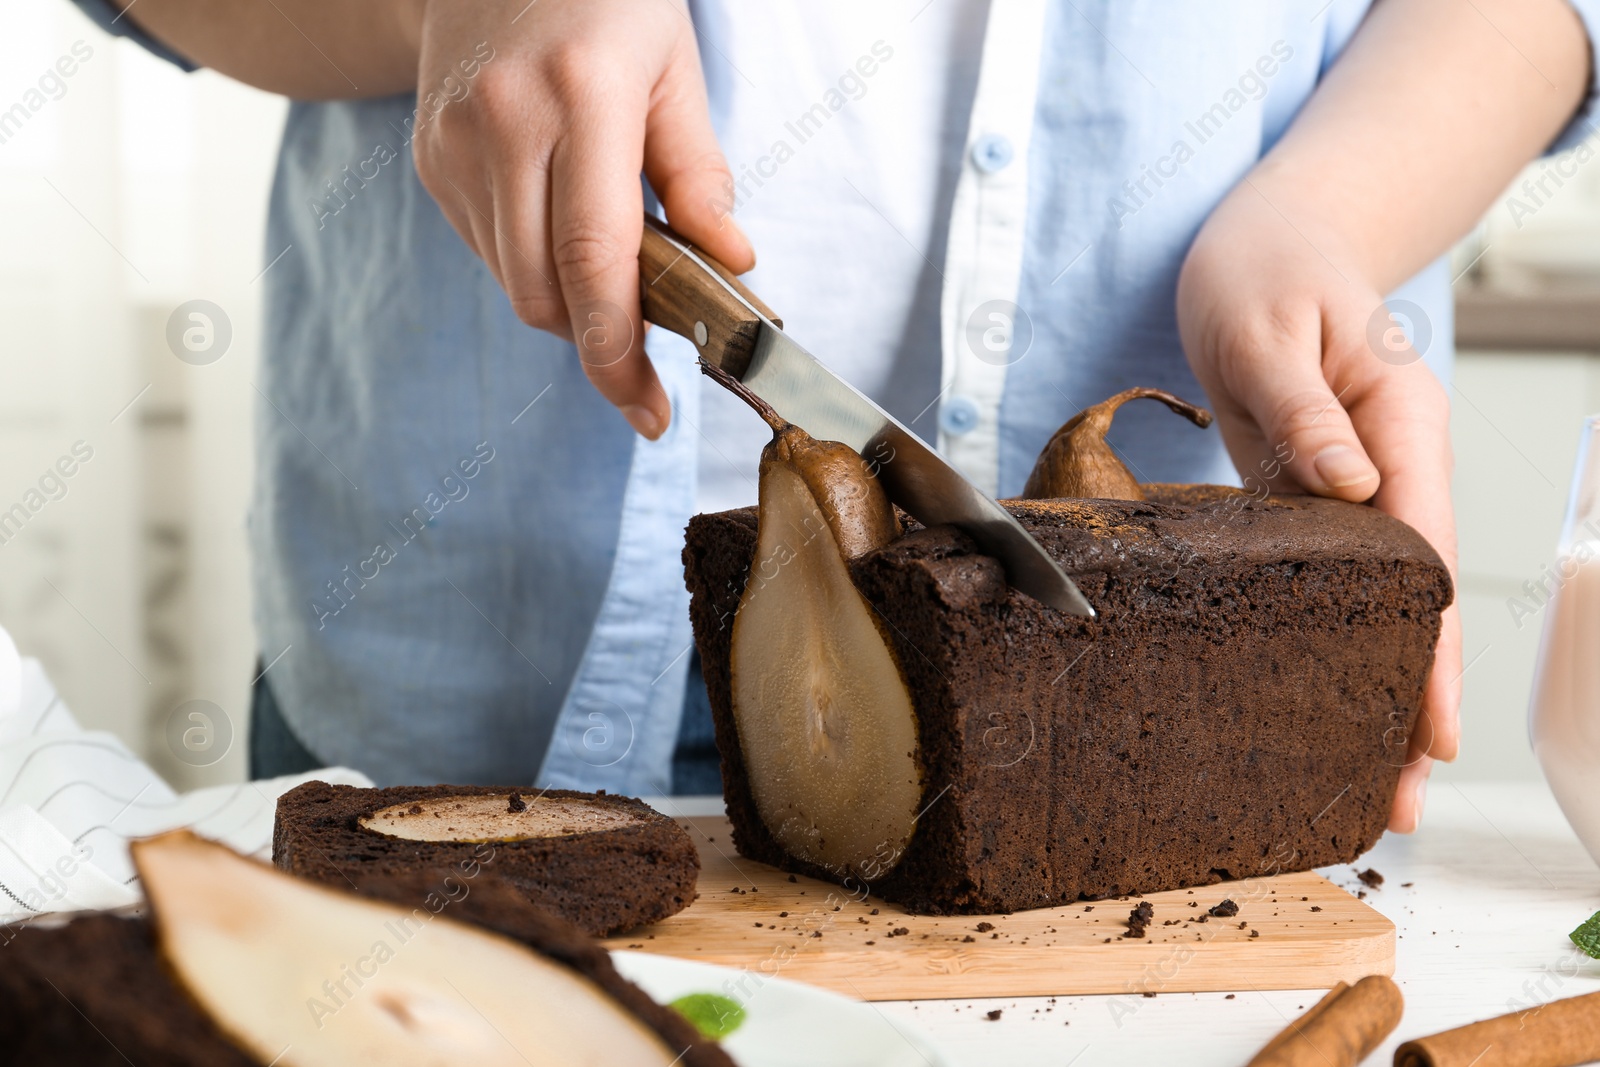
(245,966)
(605,863)
(888,710)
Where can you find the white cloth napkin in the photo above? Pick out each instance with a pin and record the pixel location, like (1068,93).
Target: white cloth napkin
(71,799)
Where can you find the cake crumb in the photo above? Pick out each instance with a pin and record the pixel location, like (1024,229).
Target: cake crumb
(792,878)
(1316,907)
(516,803)
(874,911)
(992,1016)
(1370,878)
(415,809)
(1228,997)
(1088,907)
(968,939)
(783,915)
(984,928)
(1255,933)
(1225,910)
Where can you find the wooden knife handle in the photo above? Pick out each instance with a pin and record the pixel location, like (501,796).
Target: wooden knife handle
(684,290)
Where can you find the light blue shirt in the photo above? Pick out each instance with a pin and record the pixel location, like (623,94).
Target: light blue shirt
(472,561)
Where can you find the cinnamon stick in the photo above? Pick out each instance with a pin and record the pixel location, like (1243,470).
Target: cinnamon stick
(1340,1029)
(1559,1034)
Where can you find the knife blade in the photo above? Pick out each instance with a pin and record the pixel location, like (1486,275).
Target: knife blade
(689,293)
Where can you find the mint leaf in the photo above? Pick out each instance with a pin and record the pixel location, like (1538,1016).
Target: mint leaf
(713,1014)
(1587,936)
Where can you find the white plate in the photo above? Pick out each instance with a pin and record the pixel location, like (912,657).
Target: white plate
(787,1024)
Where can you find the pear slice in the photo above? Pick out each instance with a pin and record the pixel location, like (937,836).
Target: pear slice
(303,976)
(826,724)
(497,817)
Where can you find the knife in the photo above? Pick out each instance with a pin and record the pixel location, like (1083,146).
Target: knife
(686,291)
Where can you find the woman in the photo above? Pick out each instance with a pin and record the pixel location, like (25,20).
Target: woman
(984,216)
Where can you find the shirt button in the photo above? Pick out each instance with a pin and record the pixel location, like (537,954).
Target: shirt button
(991,152)
(958,416)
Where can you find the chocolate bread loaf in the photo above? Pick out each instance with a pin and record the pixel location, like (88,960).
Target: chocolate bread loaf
(1240,705)
(96,991)
(604,863)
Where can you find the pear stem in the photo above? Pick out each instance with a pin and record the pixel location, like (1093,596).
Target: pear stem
(1197,415)
(742,391)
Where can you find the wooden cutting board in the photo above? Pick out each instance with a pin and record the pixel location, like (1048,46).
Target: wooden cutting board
(1312,934)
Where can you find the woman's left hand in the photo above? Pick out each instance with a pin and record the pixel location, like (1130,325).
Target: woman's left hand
(1316,389)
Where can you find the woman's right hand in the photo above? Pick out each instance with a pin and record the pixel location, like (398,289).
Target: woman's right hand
(536,163)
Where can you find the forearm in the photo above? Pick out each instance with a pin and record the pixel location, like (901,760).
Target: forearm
(1427,116)
(306,49)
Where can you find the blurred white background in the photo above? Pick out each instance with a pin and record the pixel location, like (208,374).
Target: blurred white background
(139,188)
(135,189)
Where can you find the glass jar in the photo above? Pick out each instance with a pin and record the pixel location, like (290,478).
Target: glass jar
(1564,712)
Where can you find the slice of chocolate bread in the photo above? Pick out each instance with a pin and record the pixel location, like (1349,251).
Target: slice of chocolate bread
(96,992)
(1240,705)
(604,863)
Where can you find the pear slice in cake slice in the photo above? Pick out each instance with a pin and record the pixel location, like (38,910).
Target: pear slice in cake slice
(826,724)
(501,817)
(300,975)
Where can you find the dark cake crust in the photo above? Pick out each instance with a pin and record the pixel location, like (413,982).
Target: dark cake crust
(605,881)
(1239,707)
(95,992)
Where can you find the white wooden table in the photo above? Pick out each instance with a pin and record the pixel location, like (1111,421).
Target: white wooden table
(1497,880)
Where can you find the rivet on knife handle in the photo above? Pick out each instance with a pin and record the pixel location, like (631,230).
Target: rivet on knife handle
(684,290)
